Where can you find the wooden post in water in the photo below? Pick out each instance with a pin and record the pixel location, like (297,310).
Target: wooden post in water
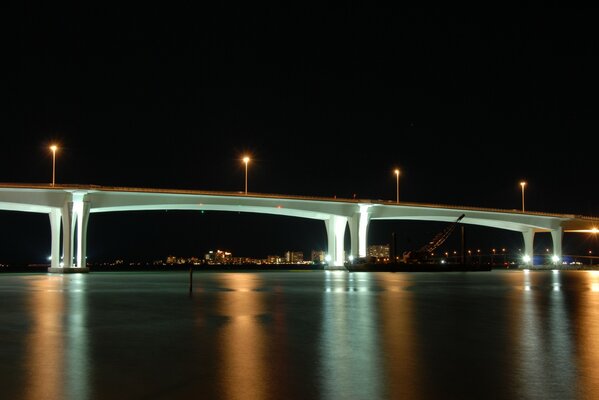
(190,279)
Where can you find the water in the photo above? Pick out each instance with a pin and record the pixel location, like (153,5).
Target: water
(300,335)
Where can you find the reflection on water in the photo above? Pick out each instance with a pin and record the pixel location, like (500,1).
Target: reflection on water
(77,346)
(57,350)
(401,343)
(44,361)
(587,330)
(302,335)
(542,344)
(350,352)
(242,339)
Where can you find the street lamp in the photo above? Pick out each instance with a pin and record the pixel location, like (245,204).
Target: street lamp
(397,183)
(522,184)
(246,160)
(53,148)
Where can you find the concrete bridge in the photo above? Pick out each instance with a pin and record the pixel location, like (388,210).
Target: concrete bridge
(69,206)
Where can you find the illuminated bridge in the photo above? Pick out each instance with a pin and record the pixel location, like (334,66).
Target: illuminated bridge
(69,206)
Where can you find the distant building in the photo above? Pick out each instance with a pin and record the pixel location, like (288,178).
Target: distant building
(274,260)
(218,257)
(171,260)
(294,257)
(318,256)
(379,251)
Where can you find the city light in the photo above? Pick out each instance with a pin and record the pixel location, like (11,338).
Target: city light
(526,258)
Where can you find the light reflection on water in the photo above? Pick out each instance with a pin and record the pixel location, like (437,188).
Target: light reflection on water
(542,345)
(586,331)
(242,339)
(349,349)
(57,350)
(298,335)
(44,356)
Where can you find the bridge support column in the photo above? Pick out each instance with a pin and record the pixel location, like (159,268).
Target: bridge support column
(68,235)
(557,236)
(529,238)
(74,215)
(335,237)
(358,230)
(55,238)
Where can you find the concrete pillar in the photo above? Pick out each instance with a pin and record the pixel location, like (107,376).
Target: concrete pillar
(529,237)
(335,237)
(557,236)
(82,219)
(354,227)
(358,229)
(68,225)
(74,214)
(363,231)
(55,238)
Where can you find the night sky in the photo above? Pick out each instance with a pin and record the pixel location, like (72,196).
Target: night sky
(327,100)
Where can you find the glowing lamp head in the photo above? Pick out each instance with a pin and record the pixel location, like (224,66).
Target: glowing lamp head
(522,184)
(396,172)
(555,258)
(594,230)
(54,148)
(351,258)
(246,159)
(526,258)
(328,258)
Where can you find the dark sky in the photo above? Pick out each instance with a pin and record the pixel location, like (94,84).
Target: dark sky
(326,99)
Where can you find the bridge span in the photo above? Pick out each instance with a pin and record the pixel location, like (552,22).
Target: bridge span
(69,207)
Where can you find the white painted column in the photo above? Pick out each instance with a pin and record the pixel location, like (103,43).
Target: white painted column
(354,224)
(529,237)
(358,229)
(68,225)
(557,236)
(335,237)
(82,210)
(55,238)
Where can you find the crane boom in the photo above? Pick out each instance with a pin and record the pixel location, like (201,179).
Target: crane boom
(437,241)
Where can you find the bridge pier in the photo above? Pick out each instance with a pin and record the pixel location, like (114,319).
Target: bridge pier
(527,255)
(74,215)
(335,226)
(55,216)
(557,236)
(358,230)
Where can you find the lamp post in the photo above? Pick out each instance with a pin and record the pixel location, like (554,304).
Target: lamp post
(397,184)
(246,160)
(53,148)
(523,184)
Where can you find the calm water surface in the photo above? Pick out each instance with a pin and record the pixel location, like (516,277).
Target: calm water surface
(300,335)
